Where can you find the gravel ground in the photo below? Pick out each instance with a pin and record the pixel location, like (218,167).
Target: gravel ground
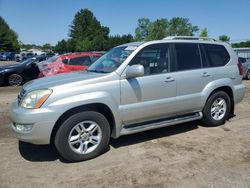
(185,155)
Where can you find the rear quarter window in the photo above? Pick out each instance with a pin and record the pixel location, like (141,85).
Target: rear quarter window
(216,55)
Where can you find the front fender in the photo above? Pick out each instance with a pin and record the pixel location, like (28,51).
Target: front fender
(67,103)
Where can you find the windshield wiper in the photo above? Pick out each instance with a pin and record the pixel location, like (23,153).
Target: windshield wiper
(97,71)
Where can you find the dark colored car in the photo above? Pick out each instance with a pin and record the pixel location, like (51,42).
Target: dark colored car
(7,56)
(68,63)
(20,73)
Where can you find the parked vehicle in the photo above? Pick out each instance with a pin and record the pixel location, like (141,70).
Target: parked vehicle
(134,87)
(7,56)
(20,73)
(67,63)
(246,67)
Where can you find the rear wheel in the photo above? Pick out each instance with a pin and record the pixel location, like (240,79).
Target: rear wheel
(83,136)
(15,80)
(217,108)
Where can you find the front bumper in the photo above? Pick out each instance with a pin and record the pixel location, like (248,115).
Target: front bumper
(43,121)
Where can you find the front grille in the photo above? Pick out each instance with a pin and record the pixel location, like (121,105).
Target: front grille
(20,96)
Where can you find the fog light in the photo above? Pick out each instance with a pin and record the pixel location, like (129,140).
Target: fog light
(23,127)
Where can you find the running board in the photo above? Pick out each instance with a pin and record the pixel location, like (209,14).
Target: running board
(139,127)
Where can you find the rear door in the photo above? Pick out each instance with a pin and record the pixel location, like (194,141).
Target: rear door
(191,76)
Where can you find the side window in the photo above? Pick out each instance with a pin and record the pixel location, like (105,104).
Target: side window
(188,56)
(155,59)
(82,61)
(217,55)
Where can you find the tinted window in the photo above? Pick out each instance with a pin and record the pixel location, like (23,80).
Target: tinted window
(155,59)
(242,60)
(188,56)
(94,58)
(217,55)
(83,61)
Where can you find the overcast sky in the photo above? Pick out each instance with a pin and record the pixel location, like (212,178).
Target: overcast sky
(47,21)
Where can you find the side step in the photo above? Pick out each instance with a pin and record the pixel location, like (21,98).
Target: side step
(139,127)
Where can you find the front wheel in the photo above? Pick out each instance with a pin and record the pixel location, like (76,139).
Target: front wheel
(217,108)
(83,136)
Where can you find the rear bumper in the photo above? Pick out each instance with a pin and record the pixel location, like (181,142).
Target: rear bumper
(239,93)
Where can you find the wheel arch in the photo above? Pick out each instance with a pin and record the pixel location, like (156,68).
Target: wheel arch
(98,107)
(229,91)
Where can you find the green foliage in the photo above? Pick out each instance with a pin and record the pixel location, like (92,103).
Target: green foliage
(148,30)
(118,40)
(142,30)
(241,44)
(86,32)
(8,38)
(181,27)
(61,47)
(47,47)
(224,38)
(158,30)
(204,33)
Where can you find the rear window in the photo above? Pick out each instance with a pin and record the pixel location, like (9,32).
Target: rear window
(188,56)
(216,55)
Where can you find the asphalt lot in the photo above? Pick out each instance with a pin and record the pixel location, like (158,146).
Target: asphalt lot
(186,155)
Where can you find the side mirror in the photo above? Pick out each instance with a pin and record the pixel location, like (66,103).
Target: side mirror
(135,71)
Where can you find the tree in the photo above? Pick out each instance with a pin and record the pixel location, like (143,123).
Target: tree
(147,30)
(241,44)
(8,38)
(86,32)
(61,47)
(204,32)
(157,29)
(118,40)
(142,30)
(181,27)
(47,47)
(224,38)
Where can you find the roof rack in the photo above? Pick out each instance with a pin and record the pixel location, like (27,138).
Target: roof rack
(188,38)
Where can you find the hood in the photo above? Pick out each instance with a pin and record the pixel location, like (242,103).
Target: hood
(61,80)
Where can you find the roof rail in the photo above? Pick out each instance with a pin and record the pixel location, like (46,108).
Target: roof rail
(188,38)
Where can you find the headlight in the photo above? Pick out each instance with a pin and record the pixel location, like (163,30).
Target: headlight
(35,99)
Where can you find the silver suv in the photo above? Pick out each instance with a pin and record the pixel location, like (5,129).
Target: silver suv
(134,87)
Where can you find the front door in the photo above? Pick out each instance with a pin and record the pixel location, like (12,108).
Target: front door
(152,96)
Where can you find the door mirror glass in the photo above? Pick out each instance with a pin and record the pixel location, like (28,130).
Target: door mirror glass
(135,71)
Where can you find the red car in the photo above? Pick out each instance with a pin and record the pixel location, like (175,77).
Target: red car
(67,63)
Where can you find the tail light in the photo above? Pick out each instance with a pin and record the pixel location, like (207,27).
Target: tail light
(240,67)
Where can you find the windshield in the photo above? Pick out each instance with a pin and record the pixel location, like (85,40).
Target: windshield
(111,60)
(27,61)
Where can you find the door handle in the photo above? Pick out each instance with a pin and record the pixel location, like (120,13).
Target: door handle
(169,79)
(205,74)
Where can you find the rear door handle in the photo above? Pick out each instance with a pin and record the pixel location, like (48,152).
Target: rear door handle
(169,79)
(205,74)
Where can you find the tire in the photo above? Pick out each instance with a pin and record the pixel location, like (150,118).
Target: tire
(248,75)
(15,80)
(214,113)
(72,147)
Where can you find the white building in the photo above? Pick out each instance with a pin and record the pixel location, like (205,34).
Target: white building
(243,52)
